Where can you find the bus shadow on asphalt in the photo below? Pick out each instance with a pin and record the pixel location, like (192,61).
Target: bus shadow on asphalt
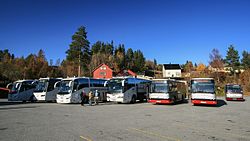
(8,103)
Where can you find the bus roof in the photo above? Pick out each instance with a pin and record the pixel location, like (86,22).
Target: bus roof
(20,81)
(202,79)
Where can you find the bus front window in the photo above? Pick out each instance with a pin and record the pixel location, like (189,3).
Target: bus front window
(41,86)
(202,87)
(65,87)
(160,88)
(233,89)
(115,86)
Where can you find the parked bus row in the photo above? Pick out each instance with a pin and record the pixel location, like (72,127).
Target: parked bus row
(120,90)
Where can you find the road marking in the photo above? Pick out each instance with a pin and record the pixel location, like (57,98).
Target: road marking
(85,138)
(154,134)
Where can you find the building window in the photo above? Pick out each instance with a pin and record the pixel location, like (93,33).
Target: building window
(103,73)
(103,68)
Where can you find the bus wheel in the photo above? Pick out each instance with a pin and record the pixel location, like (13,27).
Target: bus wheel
(133,100)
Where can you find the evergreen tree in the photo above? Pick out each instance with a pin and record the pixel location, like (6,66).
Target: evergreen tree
(79,51)
(232,58)
(129,58)
(245,59)
(139,61)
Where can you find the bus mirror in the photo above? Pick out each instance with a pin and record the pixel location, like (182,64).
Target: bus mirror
(9,85)
(105,83)
(123,83)
(57,84)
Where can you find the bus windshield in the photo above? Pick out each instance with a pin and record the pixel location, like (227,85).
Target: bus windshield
(160,88)
(202,86)
(115,86)
(65,87)
(233,89)
(41,86)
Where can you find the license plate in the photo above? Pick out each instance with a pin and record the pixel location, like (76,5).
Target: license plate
(158,101)
(234,98)
(203,102)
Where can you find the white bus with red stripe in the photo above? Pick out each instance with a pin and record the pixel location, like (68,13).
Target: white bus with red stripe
(234,92)
(203,91)
(166,91)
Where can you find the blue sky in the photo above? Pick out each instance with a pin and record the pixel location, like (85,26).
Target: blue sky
(167,30)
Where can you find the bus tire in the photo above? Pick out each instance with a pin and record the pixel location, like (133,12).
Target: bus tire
(133,100)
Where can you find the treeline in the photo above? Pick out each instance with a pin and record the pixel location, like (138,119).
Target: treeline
(79,55)
(228,69)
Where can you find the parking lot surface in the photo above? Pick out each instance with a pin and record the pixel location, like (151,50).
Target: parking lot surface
(229,121)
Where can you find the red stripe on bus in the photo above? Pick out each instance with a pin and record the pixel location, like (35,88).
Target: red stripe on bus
(165,101)
(208,102)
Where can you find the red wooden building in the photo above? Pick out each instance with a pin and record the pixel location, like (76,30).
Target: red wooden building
(103,71)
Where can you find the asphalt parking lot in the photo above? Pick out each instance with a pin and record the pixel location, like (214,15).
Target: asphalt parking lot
(128,122)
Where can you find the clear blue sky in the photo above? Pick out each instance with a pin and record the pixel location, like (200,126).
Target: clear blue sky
(167,30)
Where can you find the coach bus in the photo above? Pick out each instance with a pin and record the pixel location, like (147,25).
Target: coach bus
(233,92)
(22,90)
(203,91)
(127,89)
(167,91)
(71,89)
(45,89)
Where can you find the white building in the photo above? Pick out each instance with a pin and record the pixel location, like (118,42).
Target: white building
(171,70)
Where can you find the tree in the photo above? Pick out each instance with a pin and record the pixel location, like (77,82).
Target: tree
(245,59)
(232,58)
(201,67)
(79,51)
(188,67)
(130,58)
(139,61)
(216,60)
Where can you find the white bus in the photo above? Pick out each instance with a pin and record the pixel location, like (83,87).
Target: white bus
(45,89)
(203,91)
(127,89)
(166,91)
(233,92)
(21,90)
(71,89)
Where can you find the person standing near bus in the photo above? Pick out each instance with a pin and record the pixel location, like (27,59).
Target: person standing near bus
(96,98)
(83,98)
(90,98)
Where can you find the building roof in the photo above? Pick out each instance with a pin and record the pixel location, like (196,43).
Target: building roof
(126,73)
(171,66)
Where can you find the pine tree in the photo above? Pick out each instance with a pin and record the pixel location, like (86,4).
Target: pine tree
(245,59)
(232,58)
(79,51)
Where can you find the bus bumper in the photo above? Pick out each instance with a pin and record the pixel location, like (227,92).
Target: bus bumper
(161,101)
(207,102)
(236,99)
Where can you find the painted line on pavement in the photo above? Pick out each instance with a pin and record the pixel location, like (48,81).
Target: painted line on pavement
(85,138)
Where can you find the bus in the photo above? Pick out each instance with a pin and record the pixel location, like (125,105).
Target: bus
(233,92)
(71,89)
(203,91)
(127,89)
(167,91)
(45,89)
(22,90)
